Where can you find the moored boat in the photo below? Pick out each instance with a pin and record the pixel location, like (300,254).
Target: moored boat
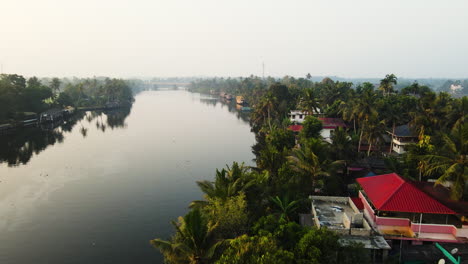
(240,100)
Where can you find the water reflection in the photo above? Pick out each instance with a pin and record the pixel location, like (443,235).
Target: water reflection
(230,105)
(18,148)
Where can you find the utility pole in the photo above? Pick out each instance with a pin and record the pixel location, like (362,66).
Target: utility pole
(263,70)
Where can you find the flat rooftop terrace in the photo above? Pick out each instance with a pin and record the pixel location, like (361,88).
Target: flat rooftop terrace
(330,212)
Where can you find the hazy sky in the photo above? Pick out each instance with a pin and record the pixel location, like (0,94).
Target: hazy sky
(122,38)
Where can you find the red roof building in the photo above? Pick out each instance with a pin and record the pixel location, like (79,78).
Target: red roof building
(398,209)
(392,193)
(332,123)
(295,128)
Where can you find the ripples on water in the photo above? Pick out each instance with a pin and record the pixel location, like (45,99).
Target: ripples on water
(97,188)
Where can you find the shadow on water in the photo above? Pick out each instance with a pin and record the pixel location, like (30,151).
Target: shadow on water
(18,148)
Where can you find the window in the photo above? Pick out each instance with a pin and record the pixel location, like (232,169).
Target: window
(300,116)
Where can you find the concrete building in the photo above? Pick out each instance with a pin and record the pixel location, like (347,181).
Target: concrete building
(329,127)
(341,215)
(399,210)
(402,137)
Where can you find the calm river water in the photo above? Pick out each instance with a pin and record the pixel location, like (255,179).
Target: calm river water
(97,189)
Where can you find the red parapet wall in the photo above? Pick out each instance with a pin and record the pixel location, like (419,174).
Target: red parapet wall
(387,221)
(440,229)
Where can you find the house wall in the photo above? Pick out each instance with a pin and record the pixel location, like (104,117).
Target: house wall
(360,232)
(346,221)
(297,116)
(432,228)
(462,232)
(400,149)
(369,213)
(326,134)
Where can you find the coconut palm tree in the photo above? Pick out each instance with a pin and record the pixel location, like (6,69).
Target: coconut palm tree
(193,243)
(227,183)
(386,84)
(341,144)
(365,108)
(304,161)
(451,161)
(309,101)
(265,111)
(349,111)
(392,113)
(373,132)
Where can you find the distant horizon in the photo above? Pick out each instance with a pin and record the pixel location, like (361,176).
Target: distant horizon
(244,76)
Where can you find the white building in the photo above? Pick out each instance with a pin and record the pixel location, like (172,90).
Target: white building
(402,137)
(298,116)
(329,127)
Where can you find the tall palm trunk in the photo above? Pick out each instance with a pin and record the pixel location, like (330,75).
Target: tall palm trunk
(369,149)
(269,119)
(360,139)
(391,141)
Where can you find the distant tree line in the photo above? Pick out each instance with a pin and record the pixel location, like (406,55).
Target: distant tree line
(21,97)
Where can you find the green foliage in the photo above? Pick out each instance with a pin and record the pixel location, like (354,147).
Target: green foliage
(228,182)
(193,242)
(281,138)
(450,162)
(255,249)
(285,207)
(311,127)
(318,246)
(18,95)
(228,218)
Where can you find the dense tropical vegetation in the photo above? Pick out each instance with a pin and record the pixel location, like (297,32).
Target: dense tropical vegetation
(263,202)
(21,98)
(251,214)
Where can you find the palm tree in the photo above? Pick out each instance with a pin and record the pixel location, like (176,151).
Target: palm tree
(307,163)
(451,162)
(365,108)
(285,206)
(341,144)
(373,132)
(265,110)
(386,84)
(227,183)
(349,112)
(309,101)
(392,112)
(193,243)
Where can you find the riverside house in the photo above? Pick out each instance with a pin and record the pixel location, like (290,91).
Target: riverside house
(401,210)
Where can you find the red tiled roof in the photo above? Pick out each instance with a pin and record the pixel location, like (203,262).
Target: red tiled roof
(332,123)
(442,194)
(295,128)
(389,192)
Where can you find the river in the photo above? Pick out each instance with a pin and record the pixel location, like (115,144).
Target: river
(98,188)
